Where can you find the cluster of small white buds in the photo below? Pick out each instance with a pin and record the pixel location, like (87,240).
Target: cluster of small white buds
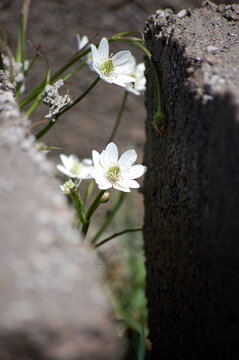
(54,100)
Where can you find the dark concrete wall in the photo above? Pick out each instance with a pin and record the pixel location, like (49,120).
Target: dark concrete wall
(192,186)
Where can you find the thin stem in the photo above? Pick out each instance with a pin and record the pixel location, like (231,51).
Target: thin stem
(115,235)
(68,76)
(89,190)
(160,111)
(39,87)
(79,206)
(122,107)
(39,97)
(109,217)
(23,26)
(91,211)
(64,109)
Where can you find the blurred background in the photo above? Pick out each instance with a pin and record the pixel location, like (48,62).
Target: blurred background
(52,26)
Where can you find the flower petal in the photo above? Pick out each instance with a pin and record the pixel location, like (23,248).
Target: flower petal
(129,183)
(96,160)
(105,187)
(121,57)
(112,152)
(135,172)
(65,171)
(103,48)
(66,161)
(127,159)
(121,188)
(95,55)
(87,162)
(104,159)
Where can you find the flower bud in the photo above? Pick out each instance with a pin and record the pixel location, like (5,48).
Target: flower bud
(105,197)
(68,187)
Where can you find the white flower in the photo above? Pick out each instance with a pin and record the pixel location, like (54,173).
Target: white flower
(74,168)
(67,187)
(108,171)
(140,80)
(82,42)
(112,69)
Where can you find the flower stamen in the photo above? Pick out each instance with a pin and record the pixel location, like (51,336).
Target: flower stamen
(113,174)
(107,67)
(76,167)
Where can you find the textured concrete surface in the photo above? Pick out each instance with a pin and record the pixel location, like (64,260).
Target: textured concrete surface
(192,185)
(52,305)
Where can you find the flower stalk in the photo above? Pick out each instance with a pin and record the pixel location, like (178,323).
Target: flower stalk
(66,108)
(91,211)
(115,235)
(109,217)
(79,206)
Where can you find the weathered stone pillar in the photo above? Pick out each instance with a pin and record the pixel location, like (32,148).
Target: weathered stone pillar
(52,306)
(192,185)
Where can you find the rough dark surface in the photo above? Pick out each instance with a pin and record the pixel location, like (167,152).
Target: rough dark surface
(192,185)
(52,306)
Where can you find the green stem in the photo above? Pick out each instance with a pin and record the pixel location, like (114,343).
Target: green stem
(68,76)
(23,26)
(109,217)
(40,86)
(64,109)
(91,211)
(39,97)
(89,190)
(115,235)
(159,111)
(79,206)
(126,93)
(34,105)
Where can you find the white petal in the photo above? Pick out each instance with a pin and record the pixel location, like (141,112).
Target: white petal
(124,189)
(65,171)
(66,161)
(104,159)
(95,55)
(105,187)
(135,172)
(78,41)
(127,159)
(129,87)
(118,82)
(121,57)
(84,41)
(103,48)
(129,183)
(97,70)
(87,162)
(112,152)
(96,160)
(126,78)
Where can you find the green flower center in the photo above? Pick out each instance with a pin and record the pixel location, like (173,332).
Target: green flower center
(76,168)
(113,173)
(108,67)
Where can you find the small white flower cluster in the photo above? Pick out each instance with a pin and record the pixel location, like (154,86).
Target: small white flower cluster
(107,170)
(54,100)
(120,69)
(14,69)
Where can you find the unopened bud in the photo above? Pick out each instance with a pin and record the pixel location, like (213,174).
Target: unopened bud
(105,197)
(68,187)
